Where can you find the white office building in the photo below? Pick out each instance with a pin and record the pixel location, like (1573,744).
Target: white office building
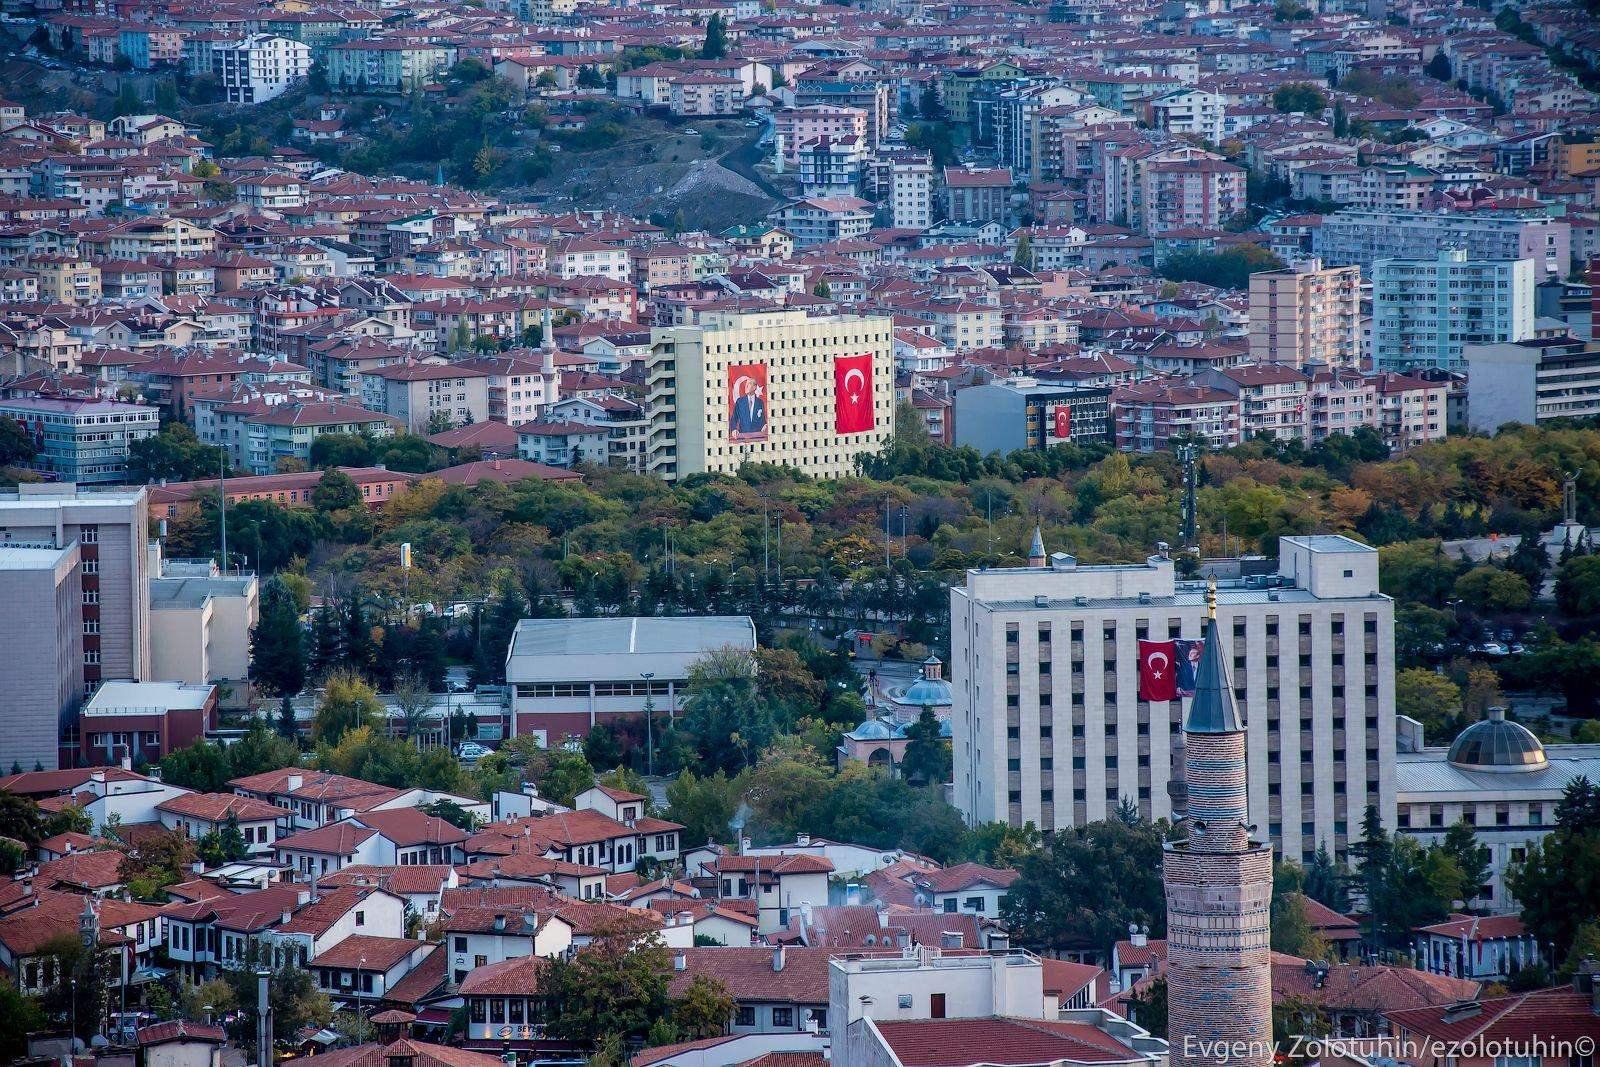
(1531,381)
(1426,311)
(911,193)
(1048,726)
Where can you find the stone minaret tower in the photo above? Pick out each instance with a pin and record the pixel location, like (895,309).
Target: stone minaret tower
(1219,888)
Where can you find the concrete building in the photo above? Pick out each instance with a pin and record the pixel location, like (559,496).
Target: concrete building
(567,675)
(1498,779)
(1306,313)
(1148,415)
(143,720)
(1272,398)
(200,623)
(769,387)
(1313,667)
(1204,193)
(911,193)
(1425,311)
(1218,883)
(41,680)
(422,395)
(1531,381)
(977,194)
(1008,414)
(104,534)
(82,441)
(259,67)
(1362,237)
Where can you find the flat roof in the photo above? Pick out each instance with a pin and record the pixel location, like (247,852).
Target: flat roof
(1429,775)
(175,593)
(30,557)
(143,698)
(579,650)
(1328,543)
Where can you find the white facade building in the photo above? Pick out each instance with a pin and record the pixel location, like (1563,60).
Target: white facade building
(1047,722)
(259,67)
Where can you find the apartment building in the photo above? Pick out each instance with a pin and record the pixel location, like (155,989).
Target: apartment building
(796,126)
(425,395)
(816,220)
(1312,647)
(911,193)
(43,674)
(259,67)
(1531,381)
(1306,313)
(1411,410)
(769,387)
(103,533)
(1272,398)
(83,441)
(1425,311)
(1363,236)
(1148,415)
(974,194)
(1199,193)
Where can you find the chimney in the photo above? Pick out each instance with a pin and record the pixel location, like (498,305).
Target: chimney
(805,912)
(285,916)
(302,898)
(680,961)
(1138,938)
(802,840)
(952,939)
(499,923)
(778,957)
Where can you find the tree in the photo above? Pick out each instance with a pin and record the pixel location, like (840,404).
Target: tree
(175,454)
(1530,560)
(202,767)
(1023,256)
(364,753)
(704,1009)
(1488,588)
(1558,886)
(1427,696)
(452,813)
(1230,269)
(1149,1009)
(261,749)
(725,710)
(348,703)
(1420,633)
(1578,586)
(704,806)
(927,757)
(1471,859)
(1299,97)
(1087,885)
(928,105)
(1417,571)
(1438,67)
(288,721)
(278,643)
(20,819)
(616,985)
(16,444)
(601,747)
(157,861)
(292,997)
(19,1016)
(414,700)
(716,43)
(1327,882)
(335,491)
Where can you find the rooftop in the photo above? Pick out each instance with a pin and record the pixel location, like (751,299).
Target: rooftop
(582,650)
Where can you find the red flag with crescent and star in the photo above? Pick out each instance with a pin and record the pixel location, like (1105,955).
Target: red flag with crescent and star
(1158,670)
(852,394)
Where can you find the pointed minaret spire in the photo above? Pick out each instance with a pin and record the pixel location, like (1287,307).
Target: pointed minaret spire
(1036,550)
(1212,710)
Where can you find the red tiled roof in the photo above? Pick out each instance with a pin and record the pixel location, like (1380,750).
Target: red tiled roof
(965,875)
(515,977)
(368,953)
(1556,1015)
(961,1042)
(217,807)
(749,973)
(180,1030)
(408,827)
(338,839)
(415,1053)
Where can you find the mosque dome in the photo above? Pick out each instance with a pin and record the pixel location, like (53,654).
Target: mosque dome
(1497,744)
(930,690)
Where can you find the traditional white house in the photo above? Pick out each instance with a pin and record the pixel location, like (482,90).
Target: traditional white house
(199,814)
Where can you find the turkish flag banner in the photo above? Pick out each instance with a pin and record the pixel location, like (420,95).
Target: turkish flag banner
(1158,670)
(852,394)
(1063,420)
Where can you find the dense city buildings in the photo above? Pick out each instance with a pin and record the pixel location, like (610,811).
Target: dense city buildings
(1049,726)
(1425,311)
(1306,313)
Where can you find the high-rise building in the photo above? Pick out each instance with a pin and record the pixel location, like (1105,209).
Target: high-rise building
(107,531)
(41,673)
(911,192)
(1218,885)
(1306,313)
(769,387)
(1425,311)
(1362,236)
(1047,722)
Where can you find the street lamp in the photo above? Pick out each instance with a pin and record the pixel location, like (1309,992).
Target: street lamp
(649,725)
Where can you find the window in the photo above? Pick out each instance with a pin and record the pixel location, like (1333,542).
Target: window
(950,906)
(744,1015)
(782,1016)
(905,1001)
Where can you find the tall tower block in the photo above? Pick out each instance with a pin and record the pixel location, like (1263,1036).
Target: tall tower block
(1219,889)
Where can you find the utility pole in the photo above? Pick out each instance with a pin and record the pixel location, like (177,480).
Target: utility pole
(649,725)
(222,505)
(766,557)
(263,1019)
(1191,524)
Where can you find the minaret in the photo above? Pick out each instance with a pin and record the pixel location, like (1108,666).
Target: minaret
(1036,550)
(1219,887)
(547,359)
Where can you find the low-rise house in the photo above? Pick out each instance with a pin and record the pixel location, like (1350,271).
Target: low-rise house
(778,885)
(365,967)
(775,990)
(198,814)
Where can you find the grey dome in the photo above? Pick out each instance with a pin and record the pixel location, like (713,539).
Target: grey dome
(927,693)
(1496,744)
(872,730)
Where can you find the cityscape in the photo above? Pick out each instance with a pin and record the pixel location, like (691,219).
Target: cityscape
(799,533)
